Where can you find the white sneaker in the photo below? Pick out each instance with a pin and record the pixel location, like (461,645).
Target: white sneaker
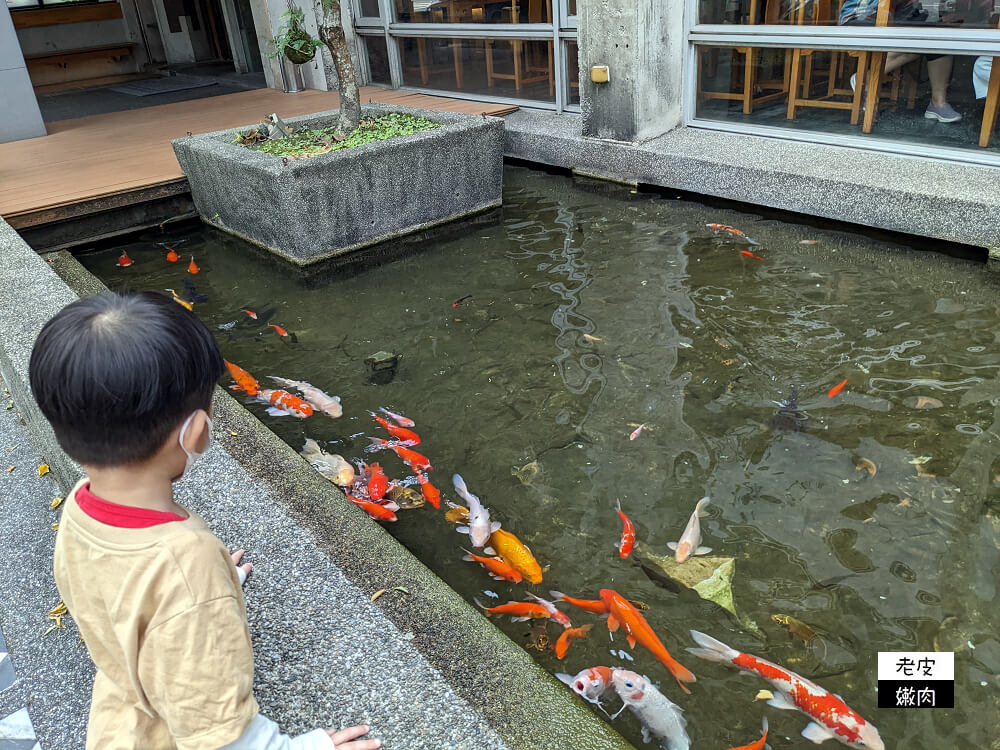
(854,80)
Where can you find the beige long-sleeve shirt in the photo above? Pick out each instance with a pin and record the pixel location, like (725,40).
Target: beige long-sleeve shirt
(162,614)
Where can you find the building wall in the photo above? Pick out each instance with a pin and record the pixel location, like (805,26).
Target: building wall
(17,98)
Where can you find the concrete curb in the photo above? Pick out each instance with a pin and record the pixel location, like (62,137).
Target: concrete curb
(307,210)
(424,669)
(949,201)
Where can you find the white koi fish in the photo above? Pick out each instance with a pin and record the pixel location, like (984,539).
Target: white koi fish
(658,715)
(321,401)
(479,526)
(831,717)
(330,465)
(590,684)
(691,538)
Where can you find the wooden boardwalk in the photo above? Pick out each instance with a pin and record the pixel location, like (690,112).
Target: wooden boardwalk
(96,162)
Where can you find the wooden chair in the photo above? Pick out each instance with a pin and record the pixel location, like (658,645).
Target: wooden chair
(992,103)
(527,67)
(751,55)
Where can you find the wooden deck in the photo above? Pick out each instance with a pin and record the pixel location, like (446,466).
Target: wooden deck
(102,159)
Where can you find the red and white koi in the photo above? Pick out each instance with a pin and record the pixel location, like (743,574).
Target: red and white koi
(628,534)
(283,403)
(398,418)
(400,433)
(590,684)
(637,431)
(320,400)
(561,617)
(831,717)
(690,541)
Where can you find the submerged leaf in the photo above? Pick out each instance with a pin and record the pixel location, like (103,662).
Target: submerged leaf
(866,464)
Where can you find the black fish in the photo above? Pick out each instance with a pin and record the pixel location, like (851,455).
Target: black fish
(789,418)
(193,294)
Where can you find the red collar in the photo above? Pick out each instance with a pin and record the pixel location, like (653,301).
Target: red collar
(120,516)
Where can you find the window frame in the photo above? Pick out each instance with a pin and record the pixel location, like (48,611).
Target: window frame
(556,33)
(934,39)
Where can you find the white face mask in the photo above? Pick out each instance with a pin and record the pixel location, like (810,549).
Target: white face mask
(193,456)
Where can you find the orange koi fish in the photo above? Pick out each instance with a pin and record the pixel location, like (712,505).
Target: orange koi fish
(172,255)
(124,261)
(400,433)
(411,458)
(499,570)
(836,389)
(251,313)
(518,611)
(594,606)
(186,304)
(397,418)
(621,612)
(378,482)
(759,744)
(376,511)
(431,493)
(628,534)
(516,554)
(569,634)
(831,716)
(278,329)
(561,617)
(244,380)
(727,229)
(750,255)
(283,403)
(192,266)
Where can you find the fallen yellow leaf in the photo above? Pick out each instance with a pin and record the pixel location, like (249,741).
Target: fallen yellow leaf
(55,526)
(43,470)
(234,434)
(56,502)
(764,695)
(11,469)
(377,594)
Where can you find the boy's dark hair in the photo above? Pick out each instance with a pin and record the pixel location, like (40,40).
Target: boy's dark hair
(115,373)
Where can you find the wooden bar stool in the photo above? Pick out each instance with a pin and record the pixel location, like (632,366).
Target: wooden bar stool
(751,55)
(528,68)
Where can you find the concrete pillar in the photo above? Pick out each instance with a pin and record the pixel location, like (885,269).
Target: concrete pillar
(642,43)
(20,116)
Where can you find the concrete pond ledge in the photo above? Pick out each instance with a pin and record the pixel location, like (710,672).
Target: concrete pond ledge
(323,206)
(424,669)
(950,201)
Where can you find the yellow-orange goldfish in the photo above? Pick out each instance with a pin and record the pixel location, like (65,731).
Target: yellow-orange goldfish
(516,554)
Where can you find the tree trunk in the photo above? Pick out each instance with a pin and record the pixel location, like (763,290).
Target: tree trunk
(331,31)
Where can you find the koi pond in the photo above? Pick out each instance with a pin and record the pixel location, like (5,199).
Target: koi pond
(533,347)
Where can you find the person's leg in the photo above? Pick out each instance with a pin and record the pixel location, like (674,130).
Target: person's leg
(895,60)
(939,71)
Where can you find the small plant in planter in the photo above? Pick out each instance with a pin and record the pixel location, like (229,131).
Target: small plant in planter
(293,41)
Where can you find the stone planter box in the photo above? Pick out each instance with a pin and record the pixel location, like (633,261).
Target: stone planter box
(310,209)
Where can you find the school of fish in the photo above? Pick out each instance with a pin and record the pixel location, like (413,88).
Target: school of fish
(504,557)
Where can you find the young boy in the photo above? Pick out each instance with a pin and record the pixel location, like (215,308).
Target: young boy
(126,381)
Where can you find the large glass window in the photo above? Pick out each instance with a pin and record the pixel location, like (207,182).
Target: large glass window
(378,59)
(474,11)
(930,99)
(944,13)
(369,8)
(860,72)
(513,68)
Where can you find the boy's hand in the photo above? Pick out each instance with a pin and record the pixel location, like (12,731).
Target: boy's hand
(342,739)
(241,570)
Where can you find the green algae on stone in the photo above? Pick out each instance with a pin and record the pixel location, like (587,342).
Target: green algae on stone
(709,576)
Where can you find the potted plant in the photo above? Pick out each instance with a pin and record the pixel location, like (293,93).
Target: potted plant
(293,41)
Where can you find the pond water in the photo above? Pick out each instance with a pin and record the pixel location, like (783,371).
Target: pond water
(594,309)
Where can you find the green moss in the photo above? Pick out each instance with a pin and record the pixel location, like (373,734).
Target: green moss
(316,142)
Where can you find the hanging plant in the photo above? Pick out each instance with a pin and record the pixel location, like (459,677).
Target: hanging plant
(293,41)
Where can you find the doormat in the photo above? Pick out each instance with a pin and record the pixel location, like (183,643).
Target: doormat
(160,85)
